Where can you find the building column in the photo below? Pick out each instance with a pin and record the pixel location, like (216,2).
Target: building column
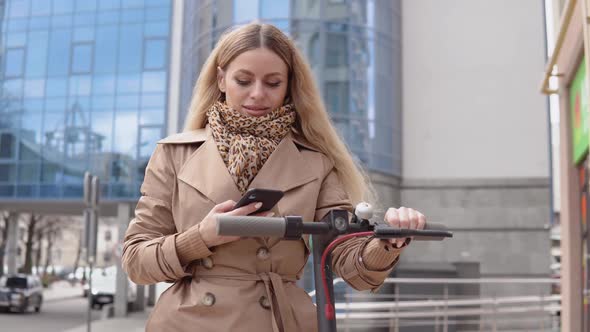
(151,300)
(120,300)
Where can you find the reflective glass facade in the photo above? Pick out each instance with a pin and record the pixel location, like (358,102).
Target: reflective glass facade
(353,47)
(83,87)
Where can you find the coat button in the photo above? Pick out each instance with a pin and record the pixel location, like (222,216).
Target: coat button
(262,253)
(264,302)
(208,299)
(207,263)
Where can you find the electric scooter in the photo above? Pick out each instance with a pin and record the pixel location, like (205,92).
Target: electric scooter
(334,228)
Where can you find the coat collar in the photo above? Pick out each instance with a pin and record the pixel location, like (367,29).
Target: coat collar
(205,171)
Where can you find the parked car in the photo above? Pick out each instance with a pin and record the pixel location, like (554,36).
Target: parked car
(20,292)
(104,284)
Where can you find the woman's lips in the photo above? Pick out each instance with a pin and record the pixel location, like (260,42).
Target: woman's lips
(255,110)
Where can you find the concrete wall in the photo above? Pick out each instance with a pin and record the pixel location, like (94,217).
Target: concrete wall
(475,135)
(471,105)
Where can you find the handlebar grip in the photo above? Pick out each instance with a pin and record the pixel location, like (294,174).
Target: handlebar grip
(250,226)
(432,226)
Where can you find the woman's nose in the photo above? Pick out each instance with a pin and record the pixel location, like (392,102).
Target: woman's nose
(257,91)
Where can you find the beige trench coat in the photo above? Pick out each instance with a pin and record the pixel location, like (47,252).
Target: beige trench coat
(249,284)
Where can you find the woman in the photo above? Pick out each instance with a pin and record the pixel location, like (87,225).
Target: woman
(256,121)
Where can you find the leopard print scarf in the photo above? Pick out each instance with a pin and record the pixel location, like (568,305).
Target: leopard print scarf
(245,142)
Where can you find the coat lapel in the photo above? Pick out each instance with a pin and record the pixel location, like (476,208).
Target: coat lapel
(206,172)
(284,170)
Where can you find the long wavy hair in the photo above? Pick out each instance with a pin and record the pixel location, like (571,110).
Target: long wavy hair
(313,122)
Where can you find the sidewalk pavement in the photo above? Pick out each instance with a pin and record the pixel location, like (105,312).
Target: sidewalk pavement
(61,290)
(134,322)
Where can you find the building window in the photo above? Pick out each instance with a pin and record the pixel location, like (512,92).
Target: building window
(82,58)
(154,56)
(15,59)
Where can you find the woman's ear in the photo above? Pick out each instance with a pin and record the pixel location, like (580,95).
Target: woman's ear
(221,79)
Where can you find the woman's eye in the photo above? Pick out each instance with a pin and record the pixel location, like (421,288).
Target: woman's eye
(273,85)
(240,82)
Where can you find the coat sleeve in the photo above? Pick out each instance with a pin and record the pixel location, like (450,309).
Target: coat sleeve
(153,250)
(363,262)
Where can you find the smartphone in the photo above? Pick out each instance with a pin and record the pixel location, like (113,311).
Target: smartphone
(268,197)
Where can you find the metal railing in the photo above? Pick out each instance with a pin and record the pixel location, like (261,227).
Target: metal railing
(446,311)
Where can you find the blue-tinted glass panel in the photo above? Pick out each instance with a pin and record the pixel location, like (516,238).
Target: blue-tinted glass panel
(86,5)
(18,8)
(51,172)
(130,49)
(50,190)
(13,88)
(83,34)
(157,3)
(9,120)
(80,85)
(245,10)
(14,62)
(274,9)
(132,16)
(55,105)
(31,126)
(102,124)
(17,25)
(156,29)
(59,52)
(39,23)
(7,173)
(105,51)
(85,19)
(110,17)
(103,84)
(126,133)
(7,145)
(26,190)
(109,4)
(57,87)
(37,54)
(155,54)
(17,39)
(155,100)
(336,50)
(103,103)
(29,173)
(61,21)
(40,8)
(152,116)
(34,88)
(157,14)
(63,6)
(82,58)
(147,140)
(154,81)
(130,83)
(6,190)
(132,3)
(127,101)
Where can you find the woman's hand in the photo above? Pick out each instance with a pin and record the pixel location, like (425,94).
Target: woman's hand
(208,225)
(404,218)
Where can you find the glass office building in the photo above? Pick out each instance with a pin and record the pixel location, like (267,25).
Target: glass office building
(353,47)
(83,86)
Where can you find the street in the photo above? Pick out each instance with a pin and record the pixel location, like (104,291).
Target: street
(56,315)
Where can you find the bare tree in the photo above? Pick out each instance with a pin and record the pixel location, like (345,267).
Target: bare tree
(38,250)
(31,225)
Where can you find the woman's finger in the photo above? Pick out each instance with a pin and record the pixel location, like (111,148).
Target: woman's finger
(224,207)
(246,210)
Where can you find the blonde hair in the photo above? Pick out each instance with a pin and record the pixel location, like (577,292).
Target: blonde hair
(313,122)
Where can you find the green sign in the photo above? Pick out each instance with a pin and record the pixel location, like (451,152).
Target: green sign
(579,113)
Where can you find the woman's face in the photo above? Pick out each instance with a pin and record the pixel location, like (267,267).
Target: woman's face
(255,82)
